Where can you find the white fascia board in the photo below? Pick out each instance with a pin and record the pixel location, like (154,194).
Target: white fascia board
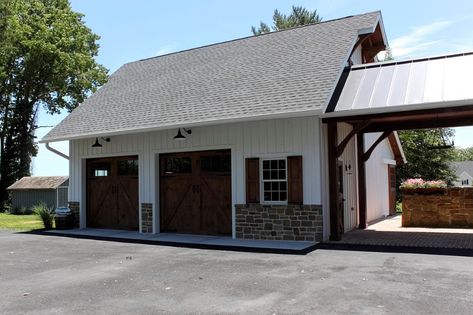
(119,132)
(383,31)
(398,141)
(389,161)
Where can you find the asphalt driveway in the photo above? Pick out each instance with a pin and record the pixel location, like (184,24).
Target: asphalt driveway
(56,275)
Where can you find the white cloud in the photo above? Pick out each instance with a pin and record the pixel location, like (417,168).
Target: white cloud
(417,40)
(166,49)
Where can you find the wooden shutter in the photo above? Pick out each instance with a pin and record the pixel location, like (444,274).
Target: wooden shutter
(252,180)
(294,179)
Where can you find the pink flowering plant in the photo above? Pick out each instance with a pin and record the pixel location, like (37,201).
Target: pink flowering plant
(415,183)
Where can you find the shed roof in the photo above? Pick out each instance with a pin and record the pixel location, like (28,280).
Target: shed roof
(279,74)
(38,182)
(417,84)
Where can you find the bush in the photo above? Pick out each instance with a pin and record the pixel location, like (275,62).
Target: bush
(399,207)
(20,211)
(46,213)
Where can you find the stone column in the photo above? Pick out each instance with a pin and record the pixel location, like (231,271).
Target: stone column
(147,218)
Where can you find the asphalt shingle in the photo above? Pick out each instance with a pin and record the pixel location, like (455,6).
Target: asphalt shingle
(279,73)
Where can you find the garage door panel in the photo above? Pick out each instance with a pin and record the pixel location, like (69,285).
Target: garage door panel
(177,205)
(215,204)
(196,192)
(112,193)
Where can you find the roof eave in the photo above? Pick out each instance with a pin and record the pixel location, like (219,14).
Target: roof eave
(120,132)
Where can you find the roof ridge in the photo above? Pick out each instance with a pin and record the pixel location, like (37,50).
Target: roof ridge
(254,36)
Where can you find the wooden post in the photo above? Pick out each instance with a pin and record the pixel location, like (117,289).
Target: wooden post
(360,149)
(332,137)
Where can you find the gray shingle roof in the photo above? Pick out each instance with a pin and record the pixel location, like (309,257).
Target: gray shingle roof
(39,182)
(277,74)
(465,166)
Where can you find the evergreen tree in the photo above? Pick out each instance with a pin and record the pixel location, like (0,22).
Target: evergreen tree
(299,16)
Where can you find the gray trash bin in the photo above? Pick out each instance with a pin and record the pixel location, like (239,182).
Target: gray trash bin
(64,218)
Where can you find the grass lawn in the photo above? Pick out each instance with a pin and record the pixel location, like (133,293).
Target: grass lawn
(20,222)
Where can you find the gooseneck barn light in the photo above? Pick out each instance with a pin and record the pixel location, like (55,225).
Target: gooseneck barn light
(97,143)
(180,136)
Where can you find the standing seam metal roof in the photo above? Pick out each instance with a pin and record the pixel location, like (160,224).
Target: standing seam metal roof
(424,83)
(279,73)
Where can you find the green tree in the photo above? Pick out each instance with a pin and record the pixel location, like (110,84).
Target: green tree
(299,16)
(46,60)
(425,158)
(460,154)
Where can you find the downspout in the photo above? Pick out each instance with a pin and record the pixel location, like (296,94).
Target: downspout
(56,151)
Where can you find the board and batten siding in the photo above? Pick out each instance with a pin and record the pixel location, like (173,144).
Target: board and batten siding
(350,192)
(29,198)
(265,138)
(377,183)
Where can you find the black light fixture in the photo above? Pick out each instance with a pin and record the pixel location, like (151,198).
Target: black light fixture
(180,136)
(97,143)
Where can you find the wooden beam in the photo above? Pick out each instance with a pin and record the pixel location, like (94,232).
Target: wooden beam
(396,149)
(420,124)
(438,114)
(360,148)
(368,153)
(356,129)
(332,139)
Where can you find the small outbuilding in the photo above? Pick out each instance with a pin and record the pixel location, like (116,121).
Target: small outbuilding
(31,190)
(464,173)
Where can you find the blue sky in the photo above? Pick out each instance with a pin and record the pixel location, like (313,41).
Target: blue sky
(137,29)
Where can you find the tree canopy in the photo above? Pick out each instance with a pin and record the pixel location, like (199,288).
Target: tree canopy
(46,60)
(424,158)
(463,154)
(298,16)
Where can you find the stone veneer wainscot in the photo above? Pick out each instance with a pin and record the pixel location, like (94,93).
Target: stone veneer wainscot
(147,218)
(279,222)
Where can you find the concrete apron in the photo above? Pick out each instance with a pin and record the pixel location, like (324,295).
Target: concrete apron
(190,241)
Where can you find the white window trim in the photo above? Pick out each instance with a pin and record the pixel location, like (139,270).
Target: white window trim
(261,182)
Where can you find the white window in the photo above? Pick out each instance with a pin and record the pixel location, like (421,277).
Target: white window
(465,182)
(274,180)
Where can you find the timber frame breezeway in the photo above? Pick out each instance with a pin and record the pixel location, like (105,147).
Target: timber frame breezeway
(356,97)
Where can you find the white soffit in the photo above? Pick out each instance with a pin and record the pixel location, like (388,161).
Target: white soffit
(407,85)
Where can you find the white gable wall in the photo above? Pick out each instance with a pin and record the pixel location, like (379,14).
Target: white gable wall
(357,56)
(377,184)
(269,138)
(464,176)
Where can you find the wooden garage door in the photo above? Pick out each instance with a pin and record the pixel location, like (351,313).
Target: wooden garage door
(195,192)
(112,193)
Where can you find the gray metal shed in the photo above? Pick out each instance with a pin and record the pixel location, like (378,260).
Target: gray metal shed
(31,190)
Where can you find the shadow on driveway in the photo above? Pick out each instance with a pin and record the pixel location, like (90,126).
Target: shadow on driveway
(344,246)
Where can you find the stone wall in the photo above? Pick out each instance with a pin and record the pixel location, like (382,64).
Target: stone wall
(75,209)
(454,208)
(147,218)
(279,222)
